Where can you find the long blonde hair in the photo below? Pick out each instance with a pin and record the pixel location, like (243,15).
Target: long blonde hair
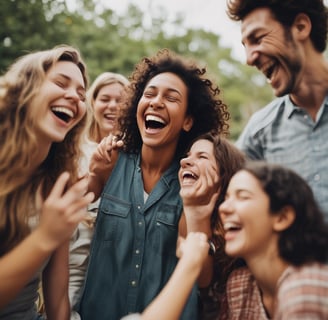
(18,182)
(104,79)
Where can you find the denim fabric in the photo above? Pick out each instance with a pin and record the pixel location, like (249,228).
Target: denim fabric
(133,250)
(284,133)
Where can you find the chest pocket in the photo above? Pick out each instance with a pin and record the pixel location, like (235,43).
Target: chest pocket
(166,229)
(112,221)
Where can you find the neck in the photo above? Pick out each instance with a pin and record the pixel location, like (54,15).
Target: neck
(267,272)
(153,164)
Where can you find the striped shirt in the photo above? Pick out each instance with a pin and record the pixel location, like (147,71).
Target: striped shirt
(302,293)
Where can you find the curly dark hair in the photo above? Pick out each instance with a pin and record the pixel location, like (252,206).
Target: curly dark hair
(210,114)
(285,12)
(306,239)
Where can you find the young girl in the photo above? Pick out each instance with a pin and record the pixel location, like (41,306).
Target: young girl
(272,221)
(42,113)
(133,250)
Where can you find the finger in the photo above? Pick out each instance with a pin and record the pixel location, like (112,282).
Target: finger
(59,186)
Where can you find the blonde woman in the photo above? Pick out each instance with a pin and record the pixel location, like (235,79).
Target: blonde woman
(105,101)
(42,113)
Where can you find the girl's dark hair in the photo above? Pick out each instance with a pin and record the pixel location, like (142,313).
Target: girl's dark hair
(285,12)
(229,160)
(204,104)
(306,240)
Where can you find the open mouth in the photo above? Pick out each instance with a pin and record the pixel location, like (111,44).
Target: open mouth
(189,177)
(268,71)
(154,122)
(231,227)
(63,113)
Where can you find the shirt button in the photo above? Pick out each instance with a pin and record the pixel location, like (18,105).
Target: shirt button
(137,266)
(133,283)
(138,207)
(317,177)
(140,223)
(137,251)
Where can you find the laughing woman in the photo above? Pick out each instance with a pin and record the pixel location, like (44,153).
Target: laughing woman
(133,254)
(273,222)
(42,113)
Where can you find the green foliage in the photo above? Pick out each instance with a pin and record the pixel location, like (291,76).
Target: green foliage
(111,42)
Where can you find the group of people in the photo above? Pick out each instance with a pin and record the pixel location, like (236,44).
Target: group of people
(129,201)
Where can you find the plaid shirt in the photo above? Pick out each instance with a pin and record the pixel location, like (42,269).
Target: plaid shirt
(302,293)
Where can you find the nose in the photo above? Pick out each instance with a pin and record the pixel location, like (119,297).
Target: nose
(71,93)
(187,161)
(157,102)
(112,104)
(251,55)
(225,208)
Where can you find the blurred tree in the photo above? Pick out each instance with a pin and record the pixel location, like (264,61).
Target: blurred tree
(109,42)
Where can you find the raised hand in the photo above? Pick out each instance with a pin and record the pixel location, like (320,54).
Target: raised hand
(63,209)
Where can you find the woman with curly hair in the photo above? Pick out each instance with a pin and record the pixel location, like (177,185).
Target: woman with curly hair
(272,221)
(169,103)
(42,114)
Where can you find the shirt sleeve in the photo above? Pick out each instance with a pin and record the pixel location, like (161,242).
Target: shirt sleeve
(303,295)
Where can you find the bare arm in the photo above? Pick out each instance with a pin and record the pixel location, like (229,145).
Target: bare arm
(171,300)
(55,285)
(198,205)
(61,212)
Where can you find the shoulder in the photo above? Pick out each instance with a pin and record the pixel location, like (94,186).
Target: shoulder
(243,296)
(239,280)
(265,116)
(303,291)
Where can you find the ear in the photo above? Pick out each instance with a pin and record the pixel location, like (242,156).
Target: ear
(188,123)
(284,219)
(302,26)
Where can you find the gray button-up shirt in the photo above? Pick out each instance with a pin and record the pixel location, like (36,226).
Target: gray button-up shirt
(284,133)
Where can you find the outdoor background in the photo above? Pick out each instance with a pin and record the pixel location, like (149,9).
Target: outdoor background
(115,35)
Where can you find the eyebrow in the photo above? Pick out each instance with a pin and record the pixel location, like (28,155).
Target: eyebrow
(81,86)
(168,89)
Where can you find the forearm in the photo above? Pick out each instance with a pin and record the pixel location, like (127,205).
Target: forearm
(171,300)
(55,285)
(196,224)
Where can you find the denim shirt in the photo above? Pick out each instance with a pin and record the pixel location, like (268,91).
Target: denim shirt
(284,133)
(133,251)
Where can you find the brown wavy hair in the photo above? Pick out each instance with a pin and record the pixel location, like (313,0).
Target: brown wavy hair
(18,182)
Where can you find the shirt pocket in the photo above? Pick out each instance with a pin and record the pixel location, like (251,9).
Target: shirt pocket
(166,229)
(112,222)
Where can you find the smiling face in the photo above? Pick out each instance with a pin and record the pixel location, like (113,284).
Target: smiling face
(245,214)
(59,104)
(199,159)
(106,107)
(272,49)
(161,112)
(199,170)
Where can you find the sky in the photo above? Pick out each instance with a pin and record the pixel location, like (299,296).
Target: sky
(209,15)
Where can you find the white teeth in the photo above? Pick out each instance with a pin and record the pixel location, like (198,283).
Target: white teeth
(230,225)
(151,117)
(188,174)
(63,110)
